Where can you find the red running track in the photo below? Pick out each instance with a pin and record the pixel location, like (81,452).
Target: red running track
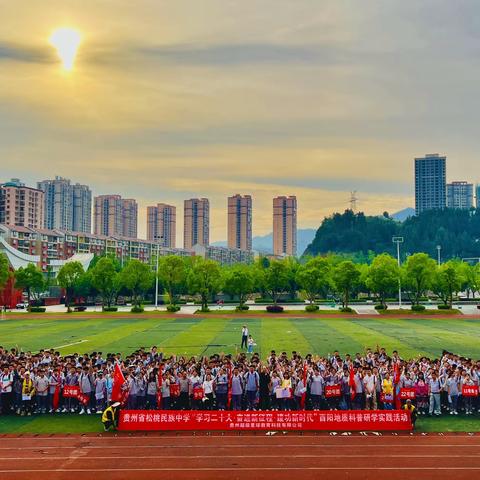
(245,456)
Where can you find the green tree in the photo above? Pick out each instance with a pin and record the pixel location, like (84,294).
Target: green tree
(30,279)
(315,278)
(275,279)
(239,280)
(293,265)
(4,271)
(418,275)
(172,273)
(346,276)
(383,276)
(84,287)
(68,278)
(471,274)
(105,279)
(448,281)
(205,280)
(137,278)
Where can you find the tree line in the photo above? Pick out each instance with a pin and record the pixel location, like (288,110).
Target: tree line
(323,278)
(456,232)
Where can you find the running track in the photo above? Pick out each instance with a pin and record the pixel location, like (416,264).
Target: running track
(245,456)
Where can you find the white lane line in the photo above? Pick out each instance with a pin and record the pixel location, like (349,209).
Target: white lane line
(163,446)
(196,457)
(229,469)
(70,344)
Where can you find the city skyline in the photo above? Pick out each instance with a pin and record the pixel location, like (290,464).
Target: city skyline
(317,100)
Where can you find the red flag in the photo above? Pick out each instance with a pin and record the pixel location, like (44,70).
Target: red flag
(56,394)
(396,388)
(118,392)
(396,373)
(351,383)
(229,401)
(304,394)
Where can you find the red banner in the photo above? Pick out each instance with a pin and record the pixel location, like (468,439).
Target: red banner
(82,398)
(174,390)
(386,398)
(198,393)
(71,391)
(470,390)
(332,391)
(352,420)
(407,394)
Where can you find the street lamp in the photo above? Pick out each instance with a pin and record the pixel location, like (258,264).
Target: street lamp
(439,259)
(398,241)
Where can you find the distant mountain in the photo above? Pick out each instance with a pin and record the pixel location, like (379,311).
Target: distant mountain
(264,243)
(402,215)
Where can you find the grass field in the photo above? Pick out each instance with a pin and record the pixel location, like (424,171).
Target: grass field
(203,336)
(197,335)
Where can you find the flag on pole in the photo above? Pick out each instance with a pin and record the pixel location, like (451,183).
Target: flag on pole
(396,383)
(119,393)
(229,395)
(56,393)
(351,383)
(304,394)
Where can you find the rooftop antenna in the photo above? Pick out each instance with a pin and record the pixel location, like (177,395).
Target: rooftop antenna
(353,201)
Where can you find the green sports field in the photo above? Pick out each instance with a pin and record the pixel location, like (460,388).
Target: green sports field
(197,335)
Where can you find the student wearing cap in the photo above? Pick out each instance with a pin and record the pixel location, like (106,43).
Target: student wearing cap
(110,416)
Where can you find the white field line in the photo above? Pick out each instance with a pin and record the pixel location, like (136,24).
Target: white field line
(70,344)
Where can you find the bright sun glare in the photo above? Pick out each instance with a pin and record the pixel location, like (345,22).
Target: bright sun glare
(66,42)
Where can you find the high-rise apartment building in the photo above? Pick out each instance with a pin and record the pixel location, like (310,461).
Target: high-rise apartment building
(161,224)
(430,183)
(285,226)
(115,216)
(20,205)
(67,207)
(196,222)
(477,195)
(130,218)
(240,222)
(82,208)
(460,195)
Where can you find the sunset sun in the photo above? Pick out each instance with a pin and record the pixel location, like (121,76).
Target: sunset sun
(66,42)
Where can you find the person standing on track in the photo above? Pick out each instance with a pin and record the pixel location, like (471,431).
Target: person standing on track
(244,336)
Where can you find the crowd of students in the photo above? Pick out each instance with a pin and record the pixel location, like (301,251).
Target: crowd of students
(39,382)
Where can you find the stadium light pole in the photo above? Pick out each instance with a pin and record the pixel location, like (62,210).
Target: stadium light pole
(439,258)
(398,241)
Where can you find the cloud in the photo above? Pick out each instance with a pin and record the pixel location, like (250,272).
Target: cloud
(24,53)
(239,54)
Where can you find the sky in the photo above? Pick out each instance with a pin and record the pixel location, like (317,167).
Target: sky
(176,99)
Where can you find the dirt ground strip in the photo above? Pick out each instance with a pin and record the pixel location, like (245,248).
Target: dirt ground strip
(240,456)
